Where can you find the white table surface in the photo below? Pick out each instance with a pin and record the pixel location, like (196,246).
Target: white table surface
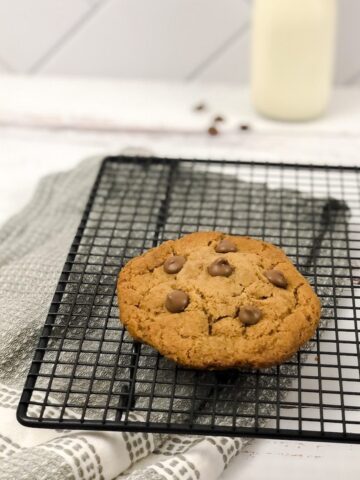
(50,124)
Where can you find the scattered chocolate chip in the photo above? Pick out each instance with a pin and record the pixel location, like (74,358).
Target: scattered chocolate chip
(244,127)
(213,131)
(200,107)
(225,246)
(220,268)
(174,264)
(249,315)
(219,118)
(176,301)
(276,278)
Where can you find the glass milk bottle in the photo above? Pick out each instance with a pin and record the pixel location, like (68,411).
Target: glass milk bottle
(292,57)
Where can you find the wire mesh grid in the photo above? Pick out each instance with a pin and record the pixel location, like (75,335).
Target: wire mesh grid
(88,373)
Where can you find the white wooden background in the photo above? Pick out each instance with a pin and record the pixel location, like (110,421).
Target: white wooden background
(173,39)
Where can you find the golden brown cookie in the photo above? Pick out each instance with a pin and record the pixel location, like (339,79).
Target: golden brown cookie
(210,300)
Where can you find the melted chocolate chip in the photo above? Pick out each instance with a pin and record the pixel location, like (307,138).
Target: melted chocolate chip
(220,268)
(174,264)
(225,246)
(176,301)
(213,131)
(249,315)
(276,278)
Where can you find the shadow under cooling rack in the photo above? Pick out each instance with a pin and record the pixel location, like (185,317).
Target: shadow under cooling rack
(88,373)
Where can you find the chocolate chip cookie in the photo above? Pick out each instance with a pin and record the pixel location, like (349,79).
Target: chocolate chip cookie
(212,301)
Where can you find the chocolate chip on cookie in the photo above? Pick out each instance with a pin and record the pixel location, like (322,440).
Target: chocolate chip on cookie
(249,315)
(174,264)
(276,278)
(225,246)
(220,268)
(176,301)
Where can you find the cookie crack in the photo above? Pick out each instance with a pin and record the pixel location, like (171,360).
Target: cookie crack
(221,317)
(205,310)
(296,294)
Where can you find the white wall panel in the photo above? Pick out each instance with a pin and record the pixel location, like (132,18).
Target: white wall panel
(233,65)
(30,28)
(348,45)
(4,67)
(148,39)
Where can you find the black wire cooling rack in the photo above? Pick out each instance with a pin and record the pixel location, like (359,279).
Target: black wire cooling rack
(87,372)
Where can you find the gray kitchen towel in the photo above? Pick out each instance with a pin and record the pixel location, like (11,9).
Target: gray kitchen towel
(33,248)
